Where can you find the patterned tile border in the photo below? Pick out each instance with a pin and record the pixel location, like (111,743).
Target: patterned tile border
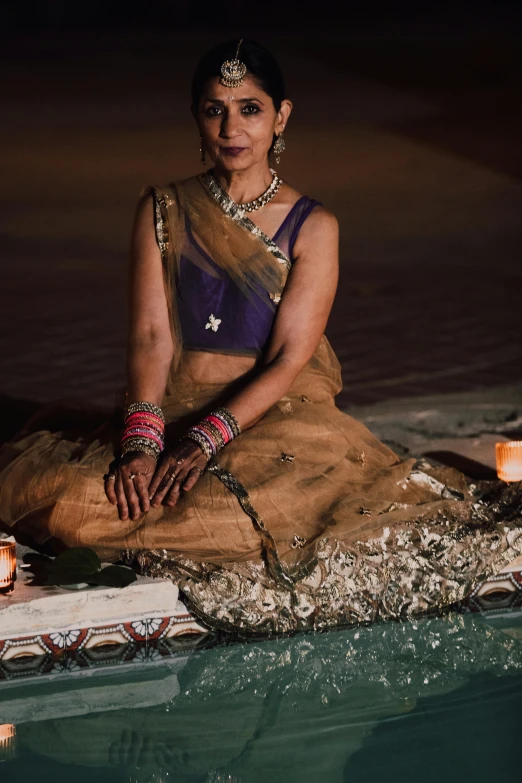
(127,655)
(71,640)
(152,638)
(498,593)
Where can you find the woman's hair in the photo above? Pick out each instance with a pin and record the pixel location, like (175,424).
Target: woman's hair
(259,62)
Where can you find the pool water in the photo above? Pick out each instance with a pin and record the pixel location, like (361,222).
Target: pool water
(438,699)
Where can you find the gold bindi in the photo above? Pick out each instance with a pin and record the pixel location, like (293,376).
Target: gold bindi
(233,71)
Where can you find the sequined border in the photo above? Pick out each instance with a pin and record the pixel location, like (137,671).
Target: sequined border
(274,563)
(160,215)
(350,585)
(238,215)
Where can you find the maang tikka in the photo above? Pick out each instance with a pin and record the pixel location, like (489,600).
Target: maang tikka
(232,74)
(233,71)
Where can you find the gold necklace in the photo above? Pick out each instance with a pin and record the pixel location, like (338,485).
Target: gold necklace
(260,201)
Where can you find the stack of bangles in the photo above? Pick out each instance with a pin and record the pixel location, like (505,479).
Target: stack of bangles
(144,429)
(214,431)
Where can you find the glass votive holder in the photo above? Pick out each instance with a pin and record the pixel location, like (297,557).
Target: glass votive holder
(7,741)
(509,460)
(7,566)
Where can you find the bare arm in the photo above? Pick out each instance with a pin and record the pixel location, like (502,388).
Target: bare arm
(301,317)
(300,321)
(298,327)
(150,347)
(149,354)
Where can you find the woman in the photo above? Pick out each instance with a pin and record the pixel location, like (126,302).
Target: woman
(236,474)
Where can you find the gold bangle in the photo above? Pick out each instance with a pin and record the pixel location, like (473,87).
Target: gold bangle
(146,447)
(201,442)
(144,407)
(230,419)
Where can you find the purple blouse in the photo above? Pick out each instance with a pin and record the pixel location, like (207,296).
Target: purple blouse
(214,314)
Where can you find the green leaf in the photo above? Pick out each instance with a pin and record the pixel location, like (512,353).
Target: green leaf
(35,558)
(39,566)
(113,576)
(77,566)
(74,565)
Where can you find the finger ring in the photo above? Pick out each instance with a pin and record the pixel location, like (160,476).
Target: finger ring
(180,461)
(109,477)
(132,476)
(200,470)
(172,476)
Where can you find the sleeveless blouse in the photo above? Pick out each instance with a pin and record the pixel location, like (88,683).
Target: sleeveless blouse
(214,314)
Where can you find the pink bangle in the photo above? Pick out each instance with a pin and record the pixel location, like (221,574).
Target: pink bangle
(142,433)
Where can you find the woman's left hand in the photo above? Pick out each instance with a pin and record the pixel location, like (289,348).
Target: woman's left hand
(178,470)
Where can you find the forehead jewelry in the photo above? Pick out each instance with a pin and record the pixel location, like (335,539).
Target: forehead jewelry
(233,71)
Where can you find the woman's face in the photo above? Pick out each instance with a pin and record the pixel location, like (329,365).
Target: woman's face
(237,124)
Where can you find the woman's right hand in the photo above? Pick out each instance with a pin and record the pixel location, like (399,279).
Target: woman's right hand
(129,490)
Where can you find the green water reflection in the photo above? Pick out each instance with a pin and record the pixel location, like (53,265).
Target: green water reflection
(391,702)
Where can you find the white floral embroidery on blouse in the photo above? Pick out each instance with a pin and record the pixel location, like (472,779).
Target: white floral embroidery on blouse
(213,323)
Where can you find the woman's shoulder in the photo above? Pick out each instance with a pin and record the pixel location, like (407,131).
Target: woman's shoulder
(315,216)
(309,224)
(321,218)
(313,205)
(168,189)
(317,228)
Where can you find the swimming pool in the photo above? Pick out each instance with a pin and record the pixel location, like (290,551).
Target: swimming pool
(438,698)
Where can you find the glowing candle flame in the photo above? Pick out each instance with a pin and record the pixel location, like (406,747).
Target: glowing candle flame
(509,460)
(7,740)
(7,566)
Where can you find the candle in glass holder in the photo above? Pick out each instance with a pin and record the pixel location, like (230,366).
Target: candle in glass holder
(7,741)
(509,460)
(7,566)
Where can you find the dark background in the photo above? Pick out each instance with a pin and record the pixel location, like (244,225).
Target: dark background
(407,124)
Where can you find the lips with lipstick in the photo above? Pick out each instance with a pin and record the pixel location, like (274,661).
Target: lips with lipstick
(232,151)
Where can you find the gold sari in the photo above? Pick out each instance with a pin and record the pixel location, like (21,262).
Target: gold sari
(304,521)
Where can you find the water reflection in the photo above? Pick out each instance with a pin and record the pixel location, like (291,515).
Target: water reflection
(303,709)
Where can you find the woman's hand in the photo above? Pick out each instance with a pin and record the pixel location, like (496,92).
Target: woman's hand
(133,749)
(129,490)
(179,469)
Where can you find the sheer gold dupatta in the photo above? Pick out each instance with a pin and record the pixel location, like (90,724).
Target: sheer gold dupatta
(249,257)
(236,246)
(343,530)
(251,260)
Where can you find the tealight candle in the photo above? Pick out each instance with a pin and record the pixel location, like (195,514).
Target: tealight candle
(7,741)
(7,566)
(509,460)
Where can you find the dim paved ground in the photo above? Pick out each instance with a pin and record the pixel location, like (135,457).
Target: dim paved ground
(431,245)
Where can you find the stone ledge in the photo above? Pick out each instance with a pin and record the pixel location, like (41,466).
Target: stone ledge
(84,696)
(420,422)
(41,610)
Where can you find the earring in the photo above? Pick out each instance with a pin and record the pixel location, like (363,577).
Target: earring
(279,147)
(202,151)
